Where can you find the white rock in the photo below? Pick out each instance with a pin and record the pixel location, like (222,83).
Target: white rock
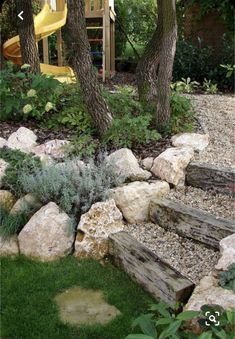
(7,200)
(125,164)
(26,204)
(209,292)
(133,199)
(9,246)
(3,142)
(53,148)
(94,228)
(3,167)
(227,250)
(195,140)
(23,139)
(48,234)
(170,165)
(147,163)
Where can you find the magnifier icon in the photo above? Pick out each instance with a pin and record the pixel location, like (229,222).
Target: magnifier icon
(212,318)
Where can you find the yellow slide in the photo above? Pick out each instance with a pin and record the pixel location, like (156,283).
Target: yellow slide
(46,23)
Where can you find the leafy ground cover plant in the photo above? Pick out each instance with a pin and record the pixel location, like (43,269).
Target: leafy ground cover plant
(18,162)
(73,185)
(227,278)
(11,224)
(186,85)
(164,322)
(25,95)
(209,87)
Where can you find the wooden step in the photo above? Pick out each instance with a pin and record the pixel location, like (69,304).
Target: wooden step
(208,177)
(190,222)
(157,277)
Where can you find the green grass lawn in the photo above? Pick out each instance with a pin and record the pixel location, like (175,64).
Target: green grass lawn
(28,289)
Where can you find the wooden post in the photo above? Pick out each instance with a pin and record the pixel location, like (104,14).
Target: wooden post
(45,51)
(107,38)
(59,7)
(112,47)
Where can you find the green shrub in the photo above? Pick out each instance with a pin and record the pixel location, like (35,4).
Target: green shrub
(83,146)
(25,95)
(209,87)
(163,322)
(129,131)
(185,86)
(18,162)
(227,278)
(72,185)
(11,224)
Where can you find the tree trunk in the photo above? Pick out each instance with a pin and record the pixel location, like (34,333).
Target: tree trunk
(167,55)
(82,64)
(28,46)
(154,71)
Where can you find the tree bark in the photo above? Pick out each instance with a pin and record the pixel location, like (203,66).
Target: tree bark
(82,64)
(29,51)
(154,71)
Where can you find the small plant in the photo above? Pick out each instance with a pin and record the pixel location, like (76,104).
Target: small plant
(18,162)
(26,95)
(230,70)
(11,224)
(227,278)
(164,322)
(73,185)
(209,87)
(185,86)
(82,146)
(129,131)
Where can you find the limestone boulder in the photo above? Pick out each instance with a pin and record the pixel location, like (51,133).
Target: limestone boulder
(147,163)
(23,139)
(133,199)
(195,140)
(53,148)
(94,228)
(125,164)
(209,292)
(9,246)
(26,204)
(7,200)
(3,142)
(3,167)
(227,250)
(48,235)
(170,165)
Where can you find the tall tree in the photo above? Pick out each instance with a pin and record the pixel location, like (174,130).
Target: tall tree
(28,46)
(82,64)
(154,71)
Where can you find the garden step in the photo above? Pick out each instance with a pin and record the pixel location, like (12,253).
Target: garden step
(190,222)
(153,274)
(206,176)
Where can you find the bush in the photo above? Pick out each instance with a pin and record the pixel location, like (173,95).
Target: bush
(25,95)
(73,185)
(82,146)
(11,224)
(18,162)
(227,278)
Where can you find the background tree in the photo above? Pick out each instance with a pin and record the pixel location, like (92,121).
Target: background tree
(28,46)
(154,71)
(82,64)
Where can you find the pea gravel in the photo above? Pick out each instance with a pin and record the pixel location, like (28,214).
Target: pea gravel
(191,259)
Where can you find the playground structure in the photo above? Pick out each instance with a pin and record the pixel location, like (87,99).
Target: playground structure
(100,17)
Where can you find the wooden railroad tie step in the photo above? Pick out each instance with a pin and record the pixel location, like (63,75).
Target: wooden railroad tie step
(190,222)
(207,177)
(153,274)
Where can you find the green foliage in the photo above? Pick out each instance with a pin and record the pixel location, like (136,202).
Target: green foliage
(25,95)
(209,87)
(73,185)
(167,322)
(28,289)
(129,131)
(185,86)
(230,69)
(82,146)
(227,278)
(18,162)
(11,224)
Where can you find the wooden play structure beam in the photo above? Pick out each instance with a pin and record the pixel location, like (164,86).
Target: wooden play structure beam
(100,17)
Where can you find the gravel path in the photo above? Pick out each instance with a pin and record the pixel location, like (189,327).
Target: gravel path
(192,259)
(220,205)
(216,114)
